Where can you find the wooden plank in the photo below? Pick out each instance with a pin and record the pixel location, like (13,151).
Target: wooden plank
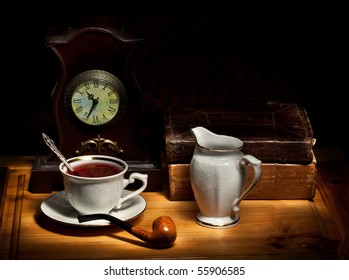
(17,182)
(278,181)
(17,217)
(333,184)
(268,229)
(3,181)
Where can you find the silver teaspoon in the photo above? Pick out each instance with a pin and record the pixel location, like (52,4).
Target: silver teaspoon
(49,142)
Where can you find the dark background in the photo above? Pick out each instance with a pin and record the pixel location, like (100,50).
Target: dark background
(192,53)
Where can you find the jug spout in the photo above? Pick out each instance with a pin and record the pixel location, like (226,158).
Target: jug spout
(209,140)
(200,133)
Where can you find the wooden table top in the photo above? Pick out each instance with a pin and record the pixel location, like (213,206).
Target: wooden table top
(268,229)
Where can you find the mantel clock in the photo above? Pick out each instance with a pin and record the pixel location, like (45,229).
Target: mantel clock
(96,103)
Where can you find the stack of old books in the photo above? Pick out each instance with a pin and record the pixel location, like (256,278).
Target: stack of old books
(278,134)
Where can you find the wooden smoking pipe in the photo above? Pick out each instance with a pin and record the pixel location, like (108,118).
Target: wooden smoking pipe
(164,231)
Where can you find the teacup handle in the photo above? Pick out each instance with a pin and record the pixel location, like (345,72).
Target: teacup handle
(243,163)
(130,180)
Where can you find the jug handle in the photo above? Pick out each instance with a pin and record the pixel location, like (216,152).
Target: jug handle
(243,163)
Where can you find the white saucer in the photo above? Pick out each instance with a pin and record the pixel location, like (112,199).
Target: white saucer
(59,209)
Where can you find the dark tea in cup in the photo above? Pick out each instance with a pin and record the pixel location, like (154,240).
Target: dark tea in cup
(98,182)
(95,169)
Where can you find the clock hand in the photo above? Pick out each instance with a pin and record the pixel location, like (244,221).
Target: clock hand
(94,103)
(90,95)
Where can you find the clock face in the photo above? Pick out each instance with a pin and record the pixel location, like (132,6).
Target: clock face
(95,98)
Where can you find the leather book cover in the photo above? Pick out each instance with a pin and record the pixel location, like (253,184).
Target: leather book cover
(272,132)
(278,181)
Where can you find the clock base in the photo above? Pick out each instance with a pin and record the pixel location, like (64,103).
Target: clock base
(46,177)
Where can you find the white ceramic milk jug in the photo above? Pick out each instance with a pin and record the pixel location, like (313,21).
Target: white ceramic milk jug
(218,172)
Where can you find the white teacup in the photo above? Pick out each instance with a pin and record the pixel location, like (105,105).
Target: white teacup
(99,183)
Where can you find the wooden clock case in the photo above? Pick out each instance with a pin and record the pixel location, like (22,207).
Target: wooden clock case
(95,44)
